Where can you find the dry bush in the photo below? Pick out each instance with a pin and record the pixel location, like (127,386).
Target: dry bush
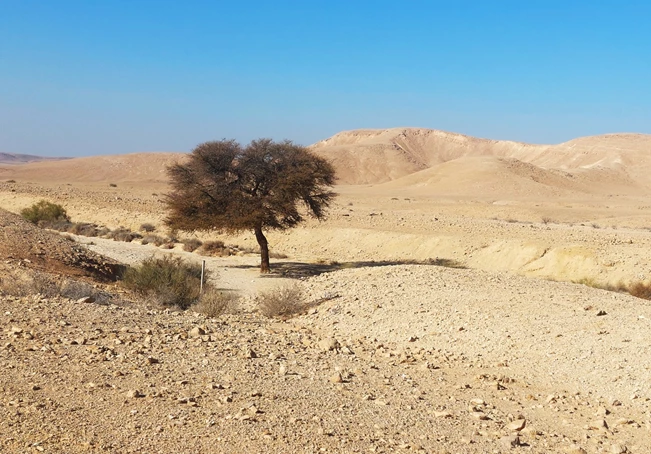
(214,303)
(191,244)
(169,281)
(122,234)
(282,302)
(214,248)
(147,227)
(640,290)
(113,185)
(153,239)
(103,232)
(546,220)
(83,229)
(61,225)
(11,181)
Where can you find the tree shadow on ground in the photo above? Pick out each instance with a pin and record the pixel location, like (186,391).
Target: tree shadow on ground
(296,270)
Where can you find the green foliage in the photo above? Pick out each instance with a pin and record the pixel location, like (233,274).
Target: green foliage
(44,211)
(169,281)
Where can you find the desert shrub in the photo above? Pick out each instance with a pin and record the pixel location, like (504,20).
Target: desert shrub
(191,244)
(113,185)
(122,234)
(546,220)
(45,211)
(640,290)
(103,231)
(215,248)
(213,303)
(11,181)
(147,227)
(83,229)
(153,239)
(169,281)
(282,302)
(61,225)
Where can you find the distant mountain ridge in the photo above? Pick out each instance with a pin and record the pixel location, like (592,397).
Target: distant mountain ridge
(423,161)
(375,156)
(15,158)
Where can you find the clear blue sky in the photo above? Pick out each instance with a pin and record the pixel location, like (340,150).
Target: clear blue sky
(102,77)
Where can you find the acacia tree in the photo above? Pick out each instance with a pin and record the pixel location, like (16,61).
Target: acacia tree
(229,188)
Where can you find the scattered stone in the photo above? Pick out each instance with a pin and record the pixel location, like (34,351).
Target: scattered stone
(575,449)
(197,331)
(516,426)
(598,424)
(510,441)
(618,449)
(336,378)
(134,394)
(442,414)
(86,300)
(328,344)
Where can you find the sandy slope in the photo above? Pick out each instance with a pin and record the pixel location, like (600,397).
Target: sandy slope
(140,167)
(375,156)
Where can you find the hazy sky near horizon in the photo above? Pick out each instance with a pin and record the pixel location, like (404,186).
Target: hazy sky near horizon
(84,77)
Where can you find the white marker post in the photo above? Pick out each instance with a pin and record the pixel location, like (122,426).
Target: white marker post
(203,270)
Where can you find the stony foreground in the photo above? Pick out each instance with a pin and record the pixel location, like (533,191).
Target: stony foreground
(84,377)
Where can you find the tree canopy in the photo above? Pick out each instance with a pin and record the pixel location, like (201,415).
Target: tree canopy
(265,185)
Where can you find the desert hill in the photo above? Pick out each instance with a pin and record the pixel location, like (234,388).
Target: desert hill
(377,156)
(14,158)
(141,167)
(43,250)
(425,160)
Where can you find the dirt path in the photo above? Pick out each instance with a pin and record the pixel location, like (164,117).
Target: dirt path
(235,273)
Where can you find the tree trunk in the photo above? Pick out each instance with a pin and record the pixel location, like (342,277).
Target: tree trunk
(264,250)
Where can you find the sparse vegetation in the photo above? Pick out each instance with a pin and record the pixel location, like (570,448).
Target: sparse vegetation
(546,220)
(147,227)
(282,302)
(640,290)
(227,187)
(215,248)
(153,239)
(168,281)
(191,244)
(213,303)
(44,211)
(83,229)
(113,185)
(123,234)
(11,181)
